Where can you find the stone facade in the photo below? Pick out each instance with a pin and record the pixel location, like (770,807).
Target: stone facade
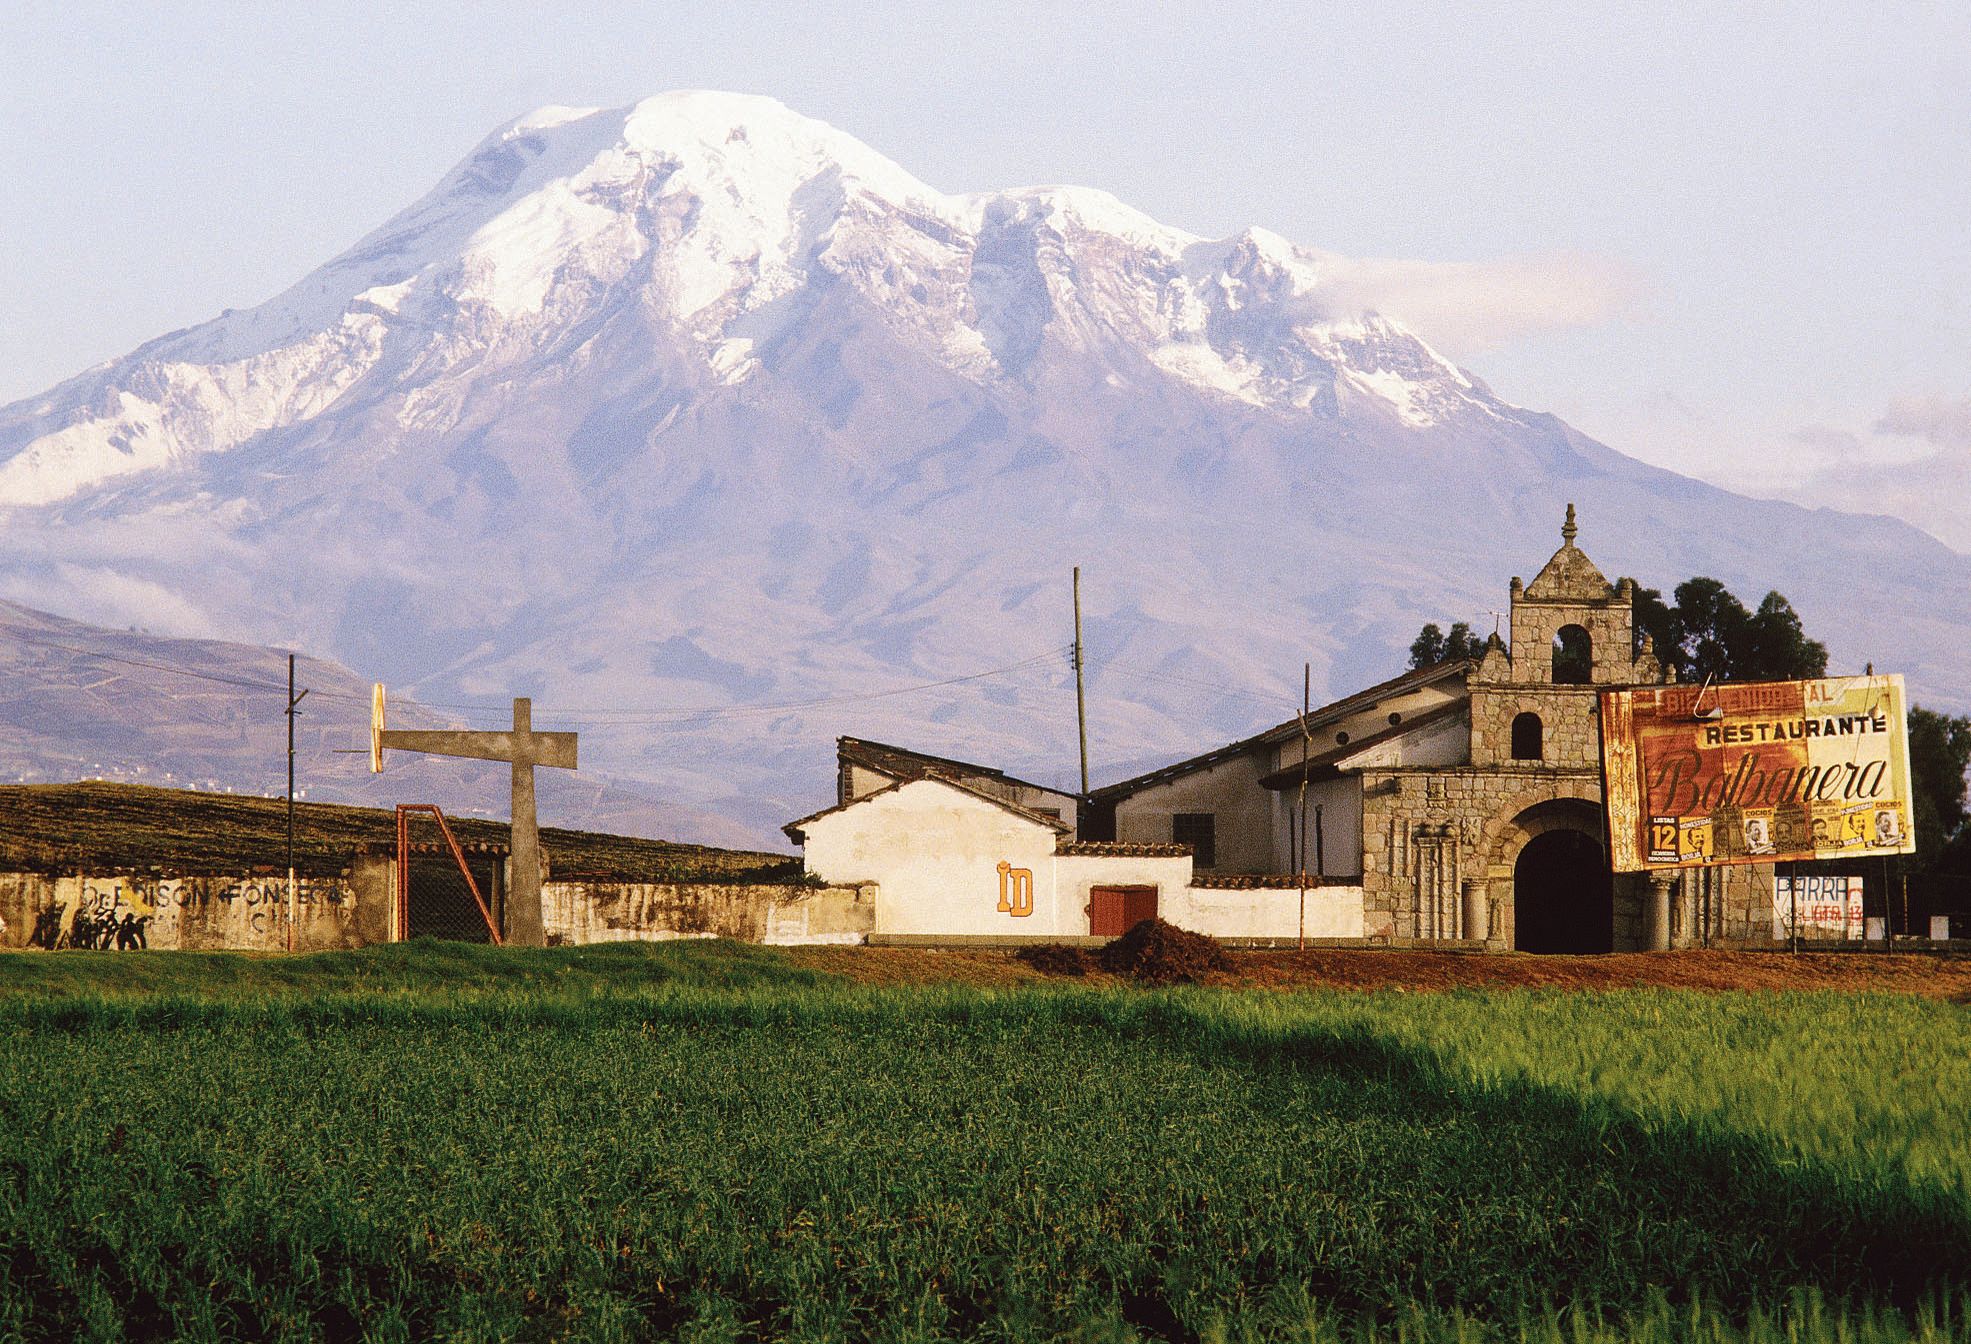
(1469,793)
(1442,845)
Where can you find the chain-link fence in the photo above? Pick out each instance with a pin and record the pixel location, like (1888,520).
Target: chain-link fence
(440,903)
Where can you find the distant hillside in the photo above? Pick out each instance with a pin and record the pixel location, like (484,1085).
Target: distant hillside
(100,827)
(79,701)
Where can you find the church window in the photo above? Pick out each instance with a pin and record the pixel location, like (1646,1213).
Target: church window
(1526,734)
(1574,658)
(1198,830)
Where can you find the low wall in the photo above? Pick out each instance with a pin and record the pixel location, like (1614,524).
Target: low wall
(1265,912)
(775,913)
(127,912)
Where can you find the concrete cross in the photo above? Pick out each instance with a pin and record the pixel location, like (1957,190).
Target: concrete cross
(524,749)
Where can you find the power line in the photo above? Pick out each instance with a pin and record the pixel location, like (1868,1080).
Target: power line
(593,717)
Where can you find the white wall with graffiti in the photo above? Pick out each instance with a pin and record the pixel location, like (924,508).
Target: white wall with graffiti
(131,912)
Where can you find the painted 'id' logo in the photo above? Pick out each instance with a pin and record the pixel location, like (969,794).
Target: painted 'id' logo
(1015,890)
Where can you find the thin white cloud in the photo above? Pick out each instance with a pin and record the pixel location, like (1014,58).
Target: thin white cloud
(1915,463)
(1941,421)
(1468,307)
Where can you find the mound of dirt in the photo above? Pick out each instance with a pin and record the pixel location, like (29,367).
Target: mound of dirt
(1055,959)
(1156,953)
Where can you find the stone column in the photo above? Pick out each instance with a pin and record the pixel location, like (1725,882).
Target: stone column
(1656,915)
(1684,932)
(1478,911)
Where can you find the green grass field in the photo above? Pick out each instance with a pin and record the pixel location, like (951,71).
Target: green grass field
(702,1141)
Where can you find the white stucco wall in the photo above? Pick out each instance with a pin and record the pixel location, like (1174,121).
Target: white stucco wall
(1243,824)
(1332,912)
(1340,816)
(1447,741)
(1370,720)
(1075,874)
(934,853)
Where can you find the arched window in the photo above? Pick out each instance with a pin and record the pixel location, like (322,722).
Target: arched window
(1574,657)
(1526,743)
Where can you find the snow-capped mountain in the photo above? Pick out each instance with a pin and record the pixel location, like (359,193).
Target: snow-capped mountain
(689,415)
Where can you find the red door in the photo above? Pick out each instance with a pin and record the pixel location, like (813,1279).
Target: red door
(1114,911)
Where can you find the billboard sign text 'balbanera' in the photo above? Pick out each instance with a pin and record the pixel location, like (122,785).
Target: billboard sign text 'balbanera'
(1756,772)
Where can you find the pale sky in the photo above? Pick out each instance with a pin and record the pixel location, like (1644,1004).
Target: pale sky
(1734,241)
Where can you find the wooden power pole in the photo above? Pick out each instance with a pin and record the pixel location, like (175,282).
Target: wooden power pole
(1080,696)
(293,707)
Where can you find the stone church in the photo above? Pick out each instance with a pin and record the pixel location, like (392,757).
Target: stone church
(1465,799)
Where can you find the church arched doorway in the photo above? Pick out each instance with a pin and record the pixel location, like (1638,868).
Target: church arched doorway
(1563,897)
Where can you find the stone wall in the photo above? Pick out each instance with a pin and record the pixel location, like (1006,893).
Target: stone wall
(129,912)
(1570,725)
(1609,622)
(779,913)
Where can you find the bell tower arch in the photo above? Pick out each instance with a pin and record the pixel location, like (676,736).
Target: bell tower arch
(1571,633)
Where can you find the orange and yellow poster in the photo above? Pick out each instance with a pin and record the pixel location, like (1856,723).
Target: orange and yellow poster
(1756,772)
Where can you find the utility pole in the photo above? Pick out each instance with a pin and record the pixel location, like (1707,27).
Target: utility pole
(1080,695)
(1306,703)
(293,708)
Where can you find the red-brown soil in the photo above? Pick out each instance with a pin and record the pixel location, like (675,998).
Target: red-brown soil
(1932,975)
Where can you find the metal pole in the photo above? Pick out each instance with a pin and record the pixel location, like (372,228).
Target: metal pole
(1793,907)
(1306,701)
(1080,696)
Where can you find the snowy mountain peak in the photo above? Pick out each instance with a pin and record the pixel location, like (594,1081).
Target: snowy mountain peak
(721,220)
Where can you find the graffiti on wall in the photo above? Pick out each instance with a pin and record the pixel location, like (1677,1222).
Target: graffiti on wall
(117,913)
(1015,890)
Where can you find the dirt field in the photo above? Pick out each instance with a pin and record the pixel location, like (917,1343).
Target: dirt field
(1946,977)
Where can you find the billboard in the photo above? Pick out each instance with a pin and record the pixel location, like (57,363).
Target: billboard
(1756,772)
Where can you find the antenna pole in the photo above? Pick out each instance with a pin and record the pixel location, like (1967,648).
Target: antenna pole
(1080,695)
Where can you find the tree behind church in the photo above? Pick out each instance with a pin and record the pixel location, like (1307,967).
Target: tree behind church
(1433,646)
(1708,633)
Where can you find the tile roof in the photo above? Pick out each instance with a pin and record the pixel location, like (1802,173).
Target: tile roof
(793,829)
(1120,849)
(1332,762)
(901,761)
(1339,709)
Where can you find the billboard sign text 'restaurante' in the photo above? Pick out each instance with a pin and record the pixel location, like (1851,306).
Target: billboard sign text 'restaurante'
(1756,773)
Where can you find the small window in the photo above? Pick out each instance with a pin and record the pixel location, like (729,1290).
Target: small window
(1342,738)
(1394,718)
(1526,734)
(1198,830)
(1574,657)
